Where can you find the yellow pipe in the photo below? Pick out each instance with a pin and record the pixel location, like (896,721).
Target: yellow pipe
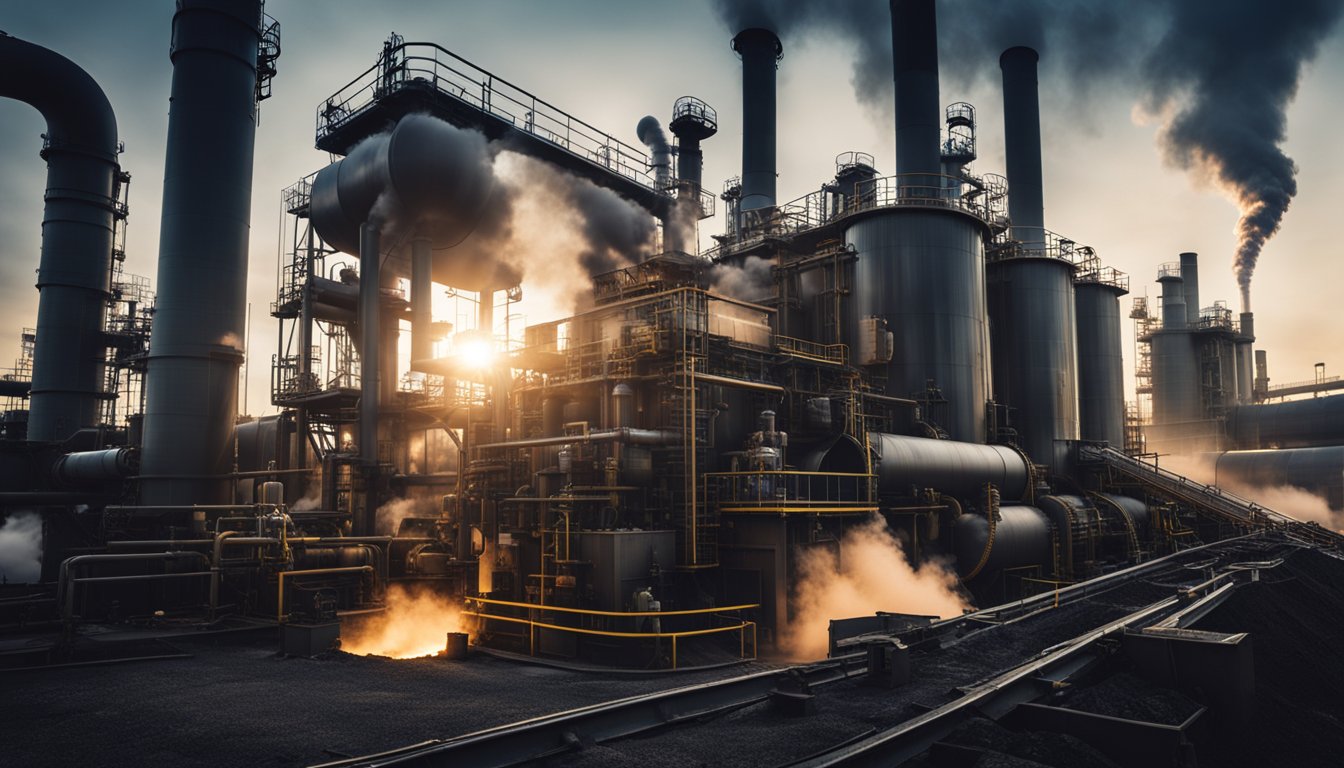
(280,601)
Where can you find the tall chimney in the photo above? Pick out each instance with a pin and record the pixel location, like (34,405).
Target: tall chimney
(197,342)
(1022,143)
(759,49)
(693,121)
(914,44)
(1190,274)
(72,276)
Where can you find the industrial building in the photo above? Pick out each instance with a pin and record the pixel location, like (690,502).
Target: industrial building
(634,485)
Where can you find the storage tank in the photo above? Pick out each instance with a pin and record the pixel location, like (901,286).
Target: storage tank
(1176,392)
(1101,375)
(1021,537)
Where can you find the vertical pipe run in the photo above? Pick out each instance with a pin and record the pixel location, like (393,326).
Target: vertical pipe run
(1022,143)
(914,42)
(369,321)
(422,300)
(199,322)
(760,49)
(1190,274)
(72,277)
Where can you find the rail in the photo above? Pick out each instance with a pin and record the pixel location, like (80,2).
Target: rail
(1039,243)
(639,619)
(427,65)
(792,491)
(811,350)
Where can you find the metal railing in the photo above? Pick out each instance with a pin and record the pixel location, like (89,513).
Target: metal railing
(791,491)
(426,65)
(1041,244)
(811,350)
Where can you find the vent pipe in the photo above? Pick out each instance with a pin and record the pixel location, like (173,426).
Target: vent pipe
(1022,143)
(1190,274)
(73,273)
(759,49)
(197,342)
(914,44)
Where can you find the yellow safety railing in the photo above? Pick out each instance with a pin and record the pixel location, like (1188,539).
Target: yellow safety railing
(794,491)
(742,626)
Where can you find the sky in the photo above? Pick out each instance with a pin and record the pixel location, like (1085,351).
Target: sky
(610,63)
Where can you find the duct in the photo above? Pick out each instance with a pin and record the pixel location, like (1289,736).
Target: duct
(1190,276)
(1022,143)
(1132,508)
(15,388)
(1101,376)
(1021,537)
(1070,515)
(1316,470)
(907,464)
(1318,421)
(90,467)
(424,177)
(759,49)
(923,273)
(200,317)
(650,133)
(73,272)
(369,257)
(914,42)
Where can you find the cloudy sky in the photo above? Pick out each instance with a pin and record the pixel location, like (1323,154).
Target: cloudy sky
(1108,182)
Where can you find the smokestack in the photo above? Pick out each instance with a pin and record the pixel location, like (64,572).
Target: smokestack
(1245,360)
(1190,274)
(1022,144)
(197,343)
(759,49)
(72,277)
(1174,314)
(914,44)
(693,121)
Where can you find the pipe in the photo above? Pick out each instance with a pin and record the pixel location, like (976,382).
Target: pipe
(914,42)
(77,223)
(726,381)
(91,467)
(422,306)
(631,436)
(369,322)
(1022,143)
(65,591)
(200,318)
(759,49)
(15,388)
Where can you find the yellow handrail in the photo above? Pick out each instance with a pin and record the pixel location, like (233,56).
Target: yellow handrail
(651,614)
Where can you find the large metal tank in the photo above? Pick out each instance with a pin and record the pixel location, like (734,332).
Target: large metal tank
(1316,470)
(1101,375)
(1021,537)
(1294,424)
(923,272)
(1175,355)
(1033,328)
(952,467)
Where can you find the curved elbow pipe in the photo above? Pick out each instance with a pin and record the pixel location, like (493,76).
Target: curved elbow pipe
(81,155)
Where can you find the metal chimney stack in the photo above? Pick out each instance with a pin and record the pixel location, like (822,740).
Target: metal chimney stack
(197,342)
(1190,274)
(1022,143)
(914,42)
(72,276)
(759,49)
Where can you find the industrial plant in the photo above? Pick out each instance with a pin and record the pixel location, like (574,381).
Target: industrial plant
(905,370)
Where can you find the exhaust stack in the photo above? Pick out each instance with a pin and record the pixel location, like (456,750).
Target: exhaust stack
(760,49)
(197,342)
(1022,143)
(73,273)
(914,42)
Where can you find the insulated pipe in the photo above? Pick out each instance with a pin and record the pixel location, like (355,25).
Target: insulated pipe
(631,436)
(200,317)
(955,468)
(759,49)
(422,306)
(1190,274)
(73,273)
(1022,143)
(90,467)
(914,45)
(369,321)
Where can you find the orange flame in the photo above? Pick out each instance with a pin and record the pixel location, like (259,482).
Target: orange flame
(415,624)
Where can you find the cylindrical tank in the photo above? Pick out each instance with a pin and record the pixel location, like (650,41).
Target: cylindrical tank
(1190,280)
(89,467)
(1021,537)
(73,273)
(1022,143)
(271,492)
(1101,375)
(1293,424)
(1031,305)
(197,345)
(955,468)
(914,35)
(1317,470)
(923,272)
(760,49)
(1176,392)
(623,406)
(1174,314)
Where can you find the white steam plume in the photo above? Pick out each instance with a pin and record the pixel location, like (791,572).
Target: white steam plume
(21,548)
(1297,503)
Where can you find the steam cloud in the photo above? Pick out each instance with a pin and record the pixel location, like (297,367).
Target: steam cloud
(1219,78)
(21,548)
(390,515)
(750,281)
(415,624)
(870,575)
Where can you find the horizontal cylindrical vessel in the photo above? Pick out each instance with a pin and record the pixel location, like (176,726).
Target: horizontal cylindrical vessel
(1021,537)
(907,464)
(1316,470)
(95,466)
(1294,424)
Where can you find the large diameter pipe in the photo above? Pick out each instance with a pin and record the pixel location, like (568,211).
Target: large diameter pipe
(88,467)
(959,469)
(1190,275)
(74,269)
(369,327)
(422,300)
(1316,470)
(1318,421)
(760,49)
(914,42)
(1022,143)
(199,323)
